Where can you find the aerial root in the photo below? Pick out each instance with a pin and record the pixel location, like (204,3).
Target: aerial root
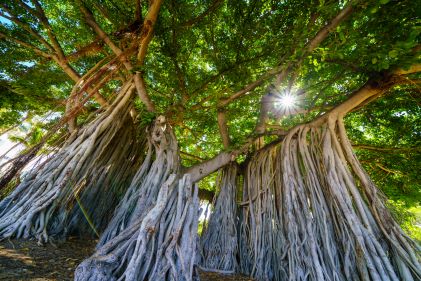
(70,191)
(312,212)
(218,243)
(159,246)
(161,161)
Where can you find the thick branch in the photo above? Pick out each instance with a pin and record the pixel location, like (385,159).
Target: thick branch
(387,149)
(147,30)
(203,169)
(90,20)
(142,92)
(223,128)
(138,79)
(412,69)
(368,90)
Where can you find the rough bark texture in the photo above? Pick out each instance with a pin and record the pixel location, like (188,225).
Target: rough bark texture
(310,212)
(153,234)
(158,246)
(162,160)
(219,243)
(76,189)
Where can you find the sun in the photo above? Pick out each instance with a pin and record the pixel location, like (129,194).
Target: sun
(287,101)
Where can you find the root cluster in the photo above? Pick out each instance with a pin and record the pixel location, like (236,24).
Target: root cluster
(219,243)
(158,246)
(153,233)
(312,213)
(77,189)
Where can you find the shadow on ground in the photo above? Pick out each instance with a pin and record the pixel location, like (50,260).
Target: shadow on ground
(25,260)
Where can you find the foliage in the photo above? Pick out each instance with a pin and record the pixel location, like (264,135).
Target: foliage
(206,50)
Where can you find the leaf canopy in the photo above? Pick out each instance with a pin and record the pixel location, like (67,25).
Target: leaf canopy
(205,51)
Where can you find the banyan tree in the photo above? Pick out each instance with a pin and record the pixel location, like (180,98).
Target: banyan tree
(305,112)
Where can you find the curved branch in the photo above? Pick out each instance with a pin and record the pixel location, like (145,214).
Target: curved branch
(369,89)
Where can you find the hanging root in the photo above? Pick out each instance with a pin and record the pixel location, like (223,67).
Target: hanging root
(161,161)
(77,189)
(311,212)
(219,245)
(153,233)
(261,243)
(158,246)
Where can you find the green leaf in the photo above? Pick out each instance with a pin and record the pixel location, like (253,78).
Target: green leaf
(393,53)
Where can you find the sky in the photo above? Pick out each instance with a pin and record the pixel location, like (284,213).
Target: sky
(5,145)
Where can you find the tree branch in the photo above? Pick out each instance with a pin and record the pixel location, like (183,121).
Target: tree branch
(201,170)
(387,149)
(269,74)
(191,156)
(138,79)
(317,39)
(412,69)
(44,21)
(25,26)
(223,128)
(138,12)
(147,29)
(58,55)
(142,92)
(26,45)
(369,89)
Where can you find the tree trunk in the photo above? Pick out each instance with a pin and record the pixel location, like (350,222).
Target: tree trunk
(311,212)
(153,233)
(218,243)
(76,189)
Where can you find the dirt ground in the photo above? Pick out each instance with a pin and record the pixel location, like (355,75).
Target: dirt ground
(25,260)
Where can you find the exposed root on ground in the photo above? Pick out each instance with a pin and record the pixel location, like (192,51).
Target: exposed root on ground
(158,246)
